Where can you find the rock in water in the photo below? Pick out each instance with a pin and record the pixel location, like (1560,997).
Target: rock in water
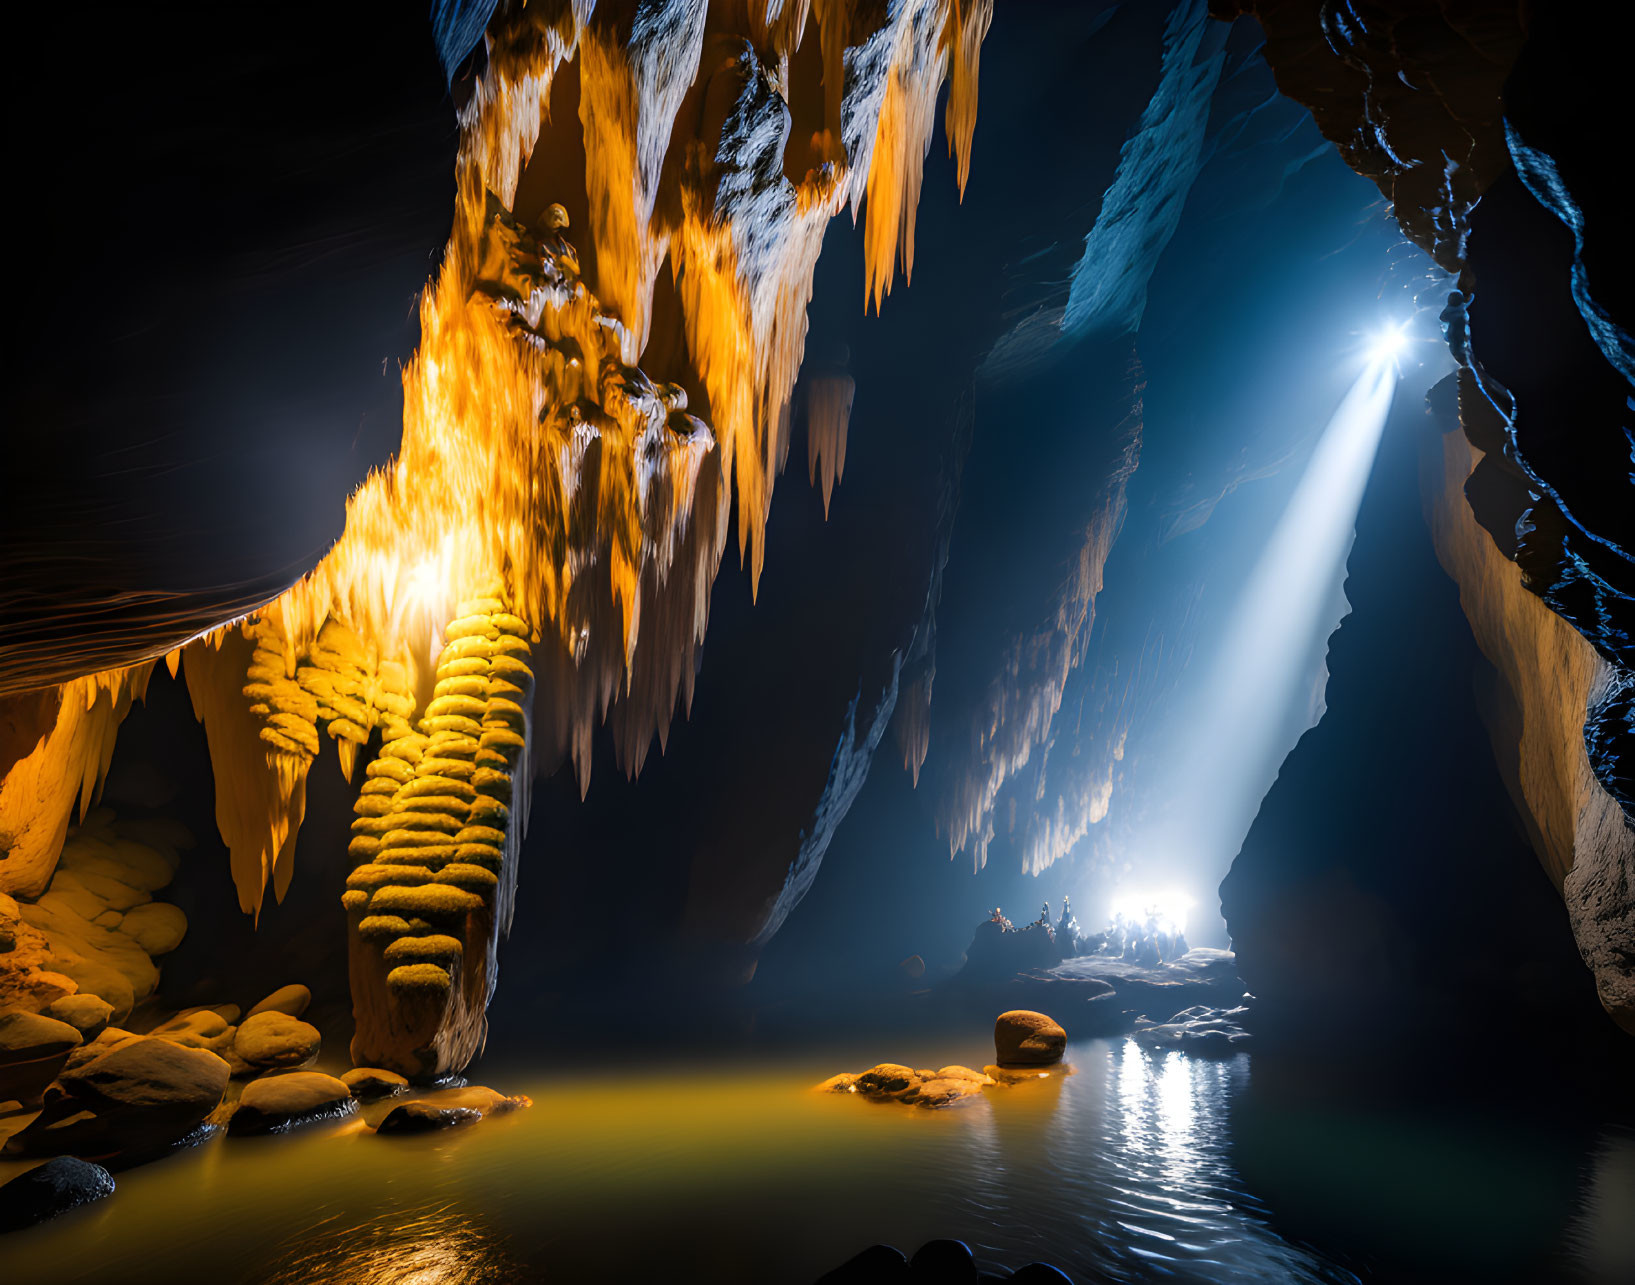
(1040,1274)
(876,1264)
(275,1039)
(445,1108)
(292,999)
(1022,1037)
(423,1117)
(370,1083)
(136,1100)
(51,1189)
(944,1261)
(87,1014)
(282,1102)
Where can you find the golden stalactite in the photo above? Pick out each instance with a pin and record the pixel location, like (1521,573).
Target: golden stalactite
(63,749)
(537,456)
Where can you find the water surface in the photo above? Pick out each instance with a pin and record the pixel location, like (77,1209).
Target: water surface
(738,1172)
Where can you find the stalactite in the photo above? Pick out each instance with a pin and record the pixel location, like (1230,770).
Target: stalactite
(828,415)
(539,458)
(72,746)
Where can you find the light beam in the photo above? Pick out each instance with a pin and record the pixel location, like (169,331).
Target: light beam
(1262,672)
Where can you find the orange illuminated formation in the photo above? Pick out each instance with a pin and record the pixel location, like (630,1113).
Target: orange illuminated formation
(539,555)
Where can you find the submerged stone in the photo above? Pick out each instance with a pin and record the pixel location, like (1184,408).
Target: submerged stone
(51,1189)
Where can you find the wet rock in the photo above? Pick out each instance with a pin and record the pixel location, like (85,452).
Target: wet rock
(282,1102)
(1024,1038)
(291,1000)
(1008,1077)
(946,1262)
(1040,1274)
(876,1263)
(88,1014)
(890,1081)
(446,1108)
(274,1039)
(424,1117)
(51,1189)
(33,1049)
(138,1099)
(886,1079)
(370,1083)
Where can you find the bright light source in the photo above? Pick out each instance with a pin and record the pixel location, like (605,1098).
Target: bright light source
(1388,345)
(425,582)
(1167,909)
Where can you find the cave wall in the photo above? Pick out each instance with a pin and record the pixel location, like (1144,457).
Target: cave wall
(1480,124)
(1387,891)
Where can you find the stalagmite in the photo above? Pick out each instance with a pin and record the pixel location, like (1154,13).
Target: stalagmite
(439,828)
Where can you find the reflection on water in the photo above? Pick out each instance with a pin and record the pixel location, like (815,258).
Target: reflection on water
(1121,1171)
(432,1247)
(1133,1172)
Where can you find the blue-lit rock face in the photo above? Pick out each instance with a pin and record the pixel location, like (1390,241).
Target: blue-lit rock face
(1481,134)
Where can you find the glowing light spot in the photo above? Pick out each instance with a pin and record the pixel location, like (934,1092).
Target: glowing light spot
(1388,345)
(425,583)
(1167,909)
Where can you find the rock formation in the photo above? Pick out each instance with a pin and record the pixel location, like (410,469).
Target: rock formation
(538,557)
(1478,125)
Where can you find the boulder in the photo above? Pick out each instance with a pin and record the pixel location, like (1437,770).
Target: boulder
(291,1000)
(274,1039)
(281,1102)
(945,1091)
(477,1097)
(947,1262)
(51,1189)
(157,926)
(198,1028)
(87,1014)
(105,1042)
(445,1108)
(370,1083)
(424,1117)
(887,1079)
(1024,1038)
(1040,1274)
(891,1081)
(875,1265)
(134,1101)
(33,1049)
